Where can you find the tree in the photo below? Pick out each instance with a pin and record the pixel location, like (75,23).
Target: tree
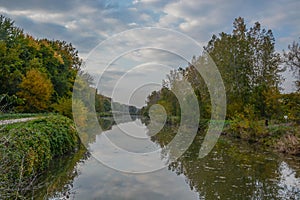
(36,89)
(248,64)
(10,69)
(20,53)
(9,32)
(250,69)
(61,63)
(10,63)
(102,103)
(291,105)
(292,60)
(164,97)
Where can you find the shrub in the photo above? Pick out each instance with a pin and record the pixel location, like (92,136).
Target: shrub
(246,126)
(64,107)
(26,149)
(8,103)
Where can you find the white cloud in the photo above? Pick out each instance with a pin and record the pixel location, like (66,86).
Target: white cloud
(71,25)
(132,24)
(38,16)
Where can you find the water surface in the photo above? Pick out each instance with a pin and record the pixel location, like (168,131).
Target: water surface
(233,170)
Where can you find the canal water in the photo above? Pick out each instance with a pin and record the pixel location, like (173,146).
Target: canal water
(232,170)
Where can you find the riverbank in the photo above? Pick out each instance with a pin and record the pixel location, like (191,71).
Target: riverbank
(27,148)
(278,136)
(281,137)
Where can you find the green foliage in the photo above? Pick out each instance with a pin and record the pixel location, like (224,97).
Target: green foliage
(24,60)
(27,148)
(246,126)
(64,107)
(199,86)
(102,104)
(166,98)
(62,63)
(20,53)
(249,66)
(291,106)
(8,103)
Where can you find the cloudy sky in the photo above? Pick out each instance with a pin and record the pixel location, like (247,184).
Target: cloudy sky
(87,23)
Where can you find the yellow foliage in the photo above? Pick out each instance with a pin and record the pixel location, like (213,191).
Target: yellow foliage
(272,96)
(36,89)
(33,43)
(58,57)
(64,107)
(167,106)
(246,126)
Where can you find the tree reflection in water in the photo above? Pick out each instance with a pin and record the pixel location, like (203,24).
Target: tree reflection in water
(234,170)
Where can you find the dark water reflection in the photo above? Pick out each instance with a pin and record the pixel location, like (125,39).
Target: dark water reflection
(233,170)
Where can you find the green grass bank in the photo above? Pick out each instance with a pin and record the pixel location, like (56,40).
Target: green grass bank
(27,148)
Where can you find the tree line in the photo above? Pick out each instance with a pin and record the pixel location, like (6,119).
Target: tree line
(252,73)
(38,75)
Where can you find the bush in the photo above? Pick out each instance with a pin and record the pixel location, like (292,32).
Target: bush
(8,103)
(64,107)
(26,149)
(246,126)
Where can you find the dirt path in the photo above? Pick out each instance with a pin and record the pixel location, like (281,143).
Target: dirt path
(11,121)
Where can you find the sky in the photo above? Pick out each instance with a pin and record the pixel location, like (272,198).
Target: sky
(87,23)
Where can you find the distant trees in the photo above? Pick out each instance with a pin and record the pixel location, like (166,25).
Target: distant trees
(164,97)
(102,104)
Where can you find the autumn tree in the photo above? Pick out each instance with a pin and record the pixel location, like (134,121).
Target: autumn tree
(36,89)
(20,52)
(62,63)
